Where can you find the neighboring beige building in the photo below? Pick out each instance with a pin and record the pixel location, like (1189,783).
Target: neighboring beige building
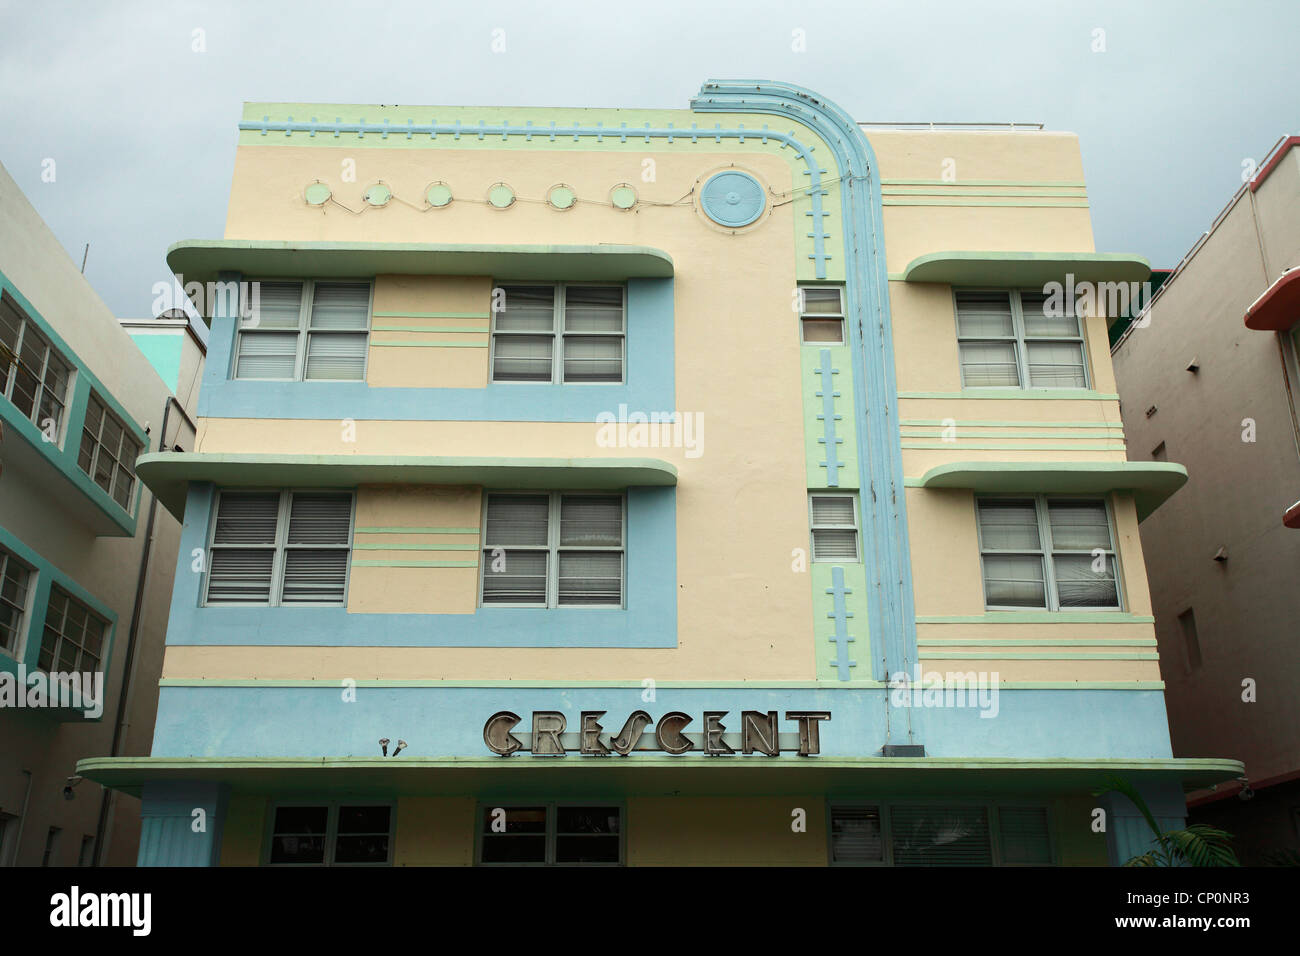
(88,559)
(1207,377)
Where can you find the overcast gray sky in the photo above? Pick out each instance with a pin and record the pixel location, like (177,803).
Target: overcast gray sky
(142,127)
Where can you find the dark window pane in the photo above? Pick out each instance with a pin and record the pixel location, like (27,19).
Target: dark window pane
(856,835)
(514,849)
(586,849)
(573,820)
(364,819)
(517,820)
(361,849)
(298,849)
(301,819)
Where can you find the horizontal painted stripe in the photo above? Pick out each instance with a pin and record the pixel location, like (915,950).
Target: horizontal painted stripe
(430,328)
(332,684)
(1034,656)
(1037,642)
(915,422)
(430,345)
(1049,193)
(369,563)
(1010,446)
(406,546)
(1039,617)
(417,530)
(983,182)
(957,201)
(1018,394)
(993,431)
(432,315)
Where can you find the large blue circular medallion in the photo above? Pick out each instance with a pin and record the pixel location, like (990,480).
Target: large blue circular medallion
(733,199)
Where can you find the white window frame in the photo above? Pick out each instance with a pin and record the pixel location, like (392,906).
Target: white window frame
(331,834)
(304,331)
(281,545)
(552,808)
(11,362)
(552,548)
(1020,342)
(128,435)
(557,333)
(24,612)
(805,314)
(814,528)
(1046,550)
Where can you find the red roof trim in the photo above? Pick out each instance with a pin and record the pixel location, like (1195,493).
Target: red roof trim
(1278,153)
(1279,307)
(1291,517)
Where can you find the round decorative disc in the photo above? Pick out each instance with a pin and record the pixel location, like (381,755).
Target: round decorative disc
(378,195)
(501,196)
(733,199)
(438,194)
(317,194)
(623,196)
(561,196)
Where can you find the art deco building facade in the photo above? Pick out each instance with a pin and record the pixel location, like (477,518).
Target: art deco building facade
(605,486)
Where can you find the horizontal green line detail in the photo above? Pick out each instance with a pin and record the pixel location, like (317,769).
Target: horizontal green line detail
(930,431)
(982,182)
(957,201)
(916,422)
(404,546)
(431,328)
(1034,656)
(1036,642)
(414,564)
(1017,394)
(432,345)
(417,530)
(959,191)
(1009,446)
(432,315)
(1039,617)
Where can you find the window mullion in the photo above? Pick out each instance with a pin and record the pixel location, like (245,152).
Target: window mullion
(276,597)
(1018,327)
(553,550)
(1049,549)
(304,322)
(557,331)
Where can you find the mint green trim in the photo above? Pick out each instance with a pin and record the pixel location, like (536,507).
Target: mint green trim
(958,191)
(1039,617)
(1003,423)
(1151,482)
(814,407)
(429,328)
(404,546)
(432,315)
(1011,446)
(46,575)
(414,564)
(958,201)
(1014,394)
(1074,184)
(1025,269)
(1035,656)
(431,345)
(204,260)
(926,431)
(168,474)
(1037,642)
(63,456)
(416,530)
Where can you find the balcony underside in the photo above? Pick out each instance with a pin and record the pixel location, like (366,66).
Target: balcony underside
(169,474)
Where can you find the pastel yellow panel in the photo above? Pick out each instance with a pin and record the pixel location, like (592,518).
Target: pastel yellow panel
(430,332)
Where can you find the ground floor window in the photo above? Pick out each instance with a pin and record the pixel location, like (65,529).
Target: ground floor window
(565,834)
(332,834)
(939,834)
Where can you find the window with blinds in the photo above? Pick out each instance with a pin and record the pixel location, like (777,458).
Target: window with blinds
(834,523)
(108,452)
(821,315)
(553,550)
(924,834)
(1015,339)
(550,835)
(306,331)
(15,585)
(1047,552)
(35,375)
(571,334)
(73,639)
(280,548)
